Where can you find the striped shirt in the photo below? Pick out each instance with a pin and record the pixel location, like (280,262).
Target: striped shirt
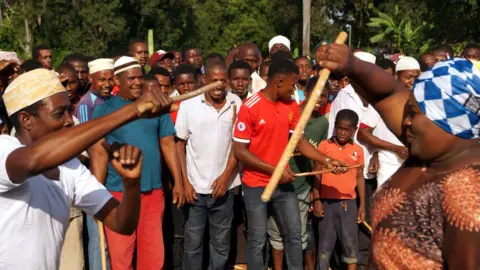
(86,105)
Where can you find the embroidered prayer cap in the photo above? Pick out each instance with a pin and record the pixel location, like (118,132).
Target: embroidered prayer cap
(365,56)
(100,65)
(125,63)
(279,40)
(31,87)
(449,95)
(407,63)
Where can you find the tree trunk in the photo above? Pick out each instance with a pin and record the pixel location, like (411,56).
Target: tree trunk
(306,27)
(28,38)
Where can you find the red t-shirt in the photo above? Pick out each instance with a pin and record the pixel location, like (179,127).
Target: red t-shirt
(265,126)
(173,115)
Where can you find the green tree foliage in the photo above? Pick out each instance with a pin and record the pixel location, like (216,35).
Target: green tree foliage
(94,27)
(398,32)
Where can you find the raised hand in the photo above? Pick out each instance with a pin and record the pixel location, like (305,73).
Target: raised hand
(126,160)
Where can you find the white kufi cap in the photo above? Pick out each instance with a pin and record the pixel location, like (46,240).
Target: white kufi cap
(407,63)
(279,40)
(365,56)
(125,63)
(100,64)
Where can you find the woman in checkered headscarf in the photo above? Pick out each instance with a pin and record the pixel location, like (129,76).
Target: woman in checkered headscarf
(427,216)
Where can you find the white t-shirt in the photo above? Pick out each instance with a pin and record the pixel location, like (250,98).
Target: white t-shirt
(257,83)
(209,140)
(390,160)
(347,98)
(34,215)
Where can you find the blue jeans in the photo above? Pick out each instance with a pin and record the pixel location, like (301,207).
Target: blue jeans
(220,216)
(94,257)
(285,204)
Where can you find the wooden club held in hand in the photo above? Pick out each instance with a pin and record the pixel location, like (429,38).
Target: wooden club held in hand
(307,112)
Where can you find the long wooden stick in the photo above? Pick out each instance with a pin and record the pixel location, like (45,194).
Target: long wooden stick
(101,235)
(307,112)
(189,95)
(326,171)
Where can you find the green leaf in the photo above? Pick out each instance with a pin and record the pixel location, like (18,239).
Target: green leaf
(377,38)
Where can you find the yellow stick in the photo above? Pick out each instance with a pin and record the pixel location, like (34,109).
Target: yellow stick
(307,112)
(101,234)
(326,171)
(367,226)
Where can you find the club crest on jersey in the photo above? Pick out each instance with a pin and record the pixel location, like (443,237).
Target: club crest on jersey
(290,117)
(355,156)
(241,126)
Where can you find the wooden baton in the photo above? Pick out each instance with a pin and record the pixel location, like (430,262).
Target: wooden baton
(307,112)
(192,94)
(101,234)
(327,171)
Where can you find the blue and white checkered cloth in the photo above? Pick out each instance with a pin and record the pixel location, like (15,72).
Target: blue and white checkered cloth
(449,95)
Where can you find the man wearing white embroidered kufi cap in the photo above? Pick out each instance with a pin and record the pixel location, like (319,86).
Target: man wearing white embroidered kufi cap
(101,79)
(278,43)
(40,178)
(407,71)
(149,135)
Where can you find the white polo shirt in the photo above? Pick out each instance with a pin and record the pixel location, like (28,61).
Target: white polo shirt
(347,98)
(208,133)
(389,161)
(34,215)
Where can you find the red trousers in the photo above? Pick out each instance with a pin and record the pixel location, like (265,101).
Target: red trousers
(148,238)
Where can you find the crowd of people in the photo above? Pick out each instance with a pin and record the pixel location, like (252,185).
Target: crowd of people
(99,169)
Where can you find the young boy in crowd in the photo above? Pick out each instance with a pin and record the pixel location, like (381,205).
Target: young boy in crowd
(239,77)
(335,197)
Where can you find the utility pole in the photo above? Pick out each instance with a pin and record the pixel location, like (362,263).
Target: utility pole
(306,27)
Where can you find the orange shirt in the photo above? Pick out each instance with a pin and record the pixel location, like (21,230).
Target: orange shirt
(341,186)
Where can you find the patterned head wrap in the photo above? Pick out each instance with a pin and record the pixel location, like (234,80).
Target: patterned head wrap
(449,95)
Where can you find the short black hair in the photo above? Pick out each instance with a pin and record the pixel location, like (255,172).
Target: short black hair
(185,50)
(282,66)
(159,71)
(74,57)
(347,115)
(311,82)
(239,64)
(36,51)
(149,77)
(281,54)
(65,66)
(32,109)
(215,56)
(31,64)
(472,46)
(184,69)
(303,57)
(133,41)
(386,64)
(218,65)
(444,48)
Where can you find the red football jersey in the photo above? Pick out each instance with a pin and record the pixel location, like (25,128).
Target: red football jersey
(265,125)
